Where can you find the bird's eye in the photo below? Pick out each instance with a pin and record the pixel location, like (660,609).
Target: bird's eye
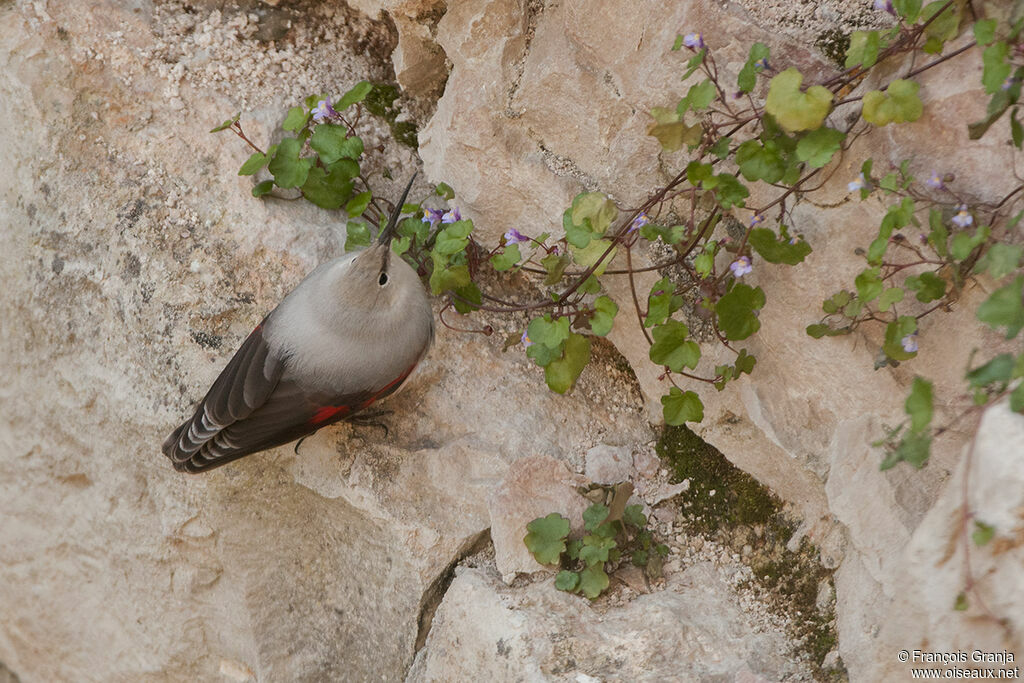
(383,279)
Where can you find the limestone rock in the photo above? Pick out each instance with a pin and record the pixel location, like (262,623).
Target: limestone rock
(692,630)
(535,486)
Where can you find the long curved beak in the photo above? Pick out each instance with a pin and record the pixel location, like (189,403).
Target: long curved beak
(388,233)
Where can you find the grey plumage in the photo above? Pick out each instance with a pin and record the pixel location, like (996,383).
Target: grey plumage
(346,337)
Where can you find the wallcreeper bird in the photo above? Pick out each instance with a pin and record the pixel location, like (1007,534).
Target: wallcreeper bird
(346,337)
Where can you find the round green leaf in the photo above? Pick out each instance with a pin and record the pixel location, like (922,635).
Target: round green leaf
(898,104)
(795,110)
(679,407)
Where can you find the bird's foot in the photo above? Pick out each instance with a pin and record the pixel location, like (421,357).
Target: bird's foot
(369,418)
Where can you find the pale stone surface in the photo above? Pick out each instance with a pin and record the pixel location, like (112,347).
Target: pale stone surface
(689,631)
(537,111)
(135,262)
(609,464)
(535,487)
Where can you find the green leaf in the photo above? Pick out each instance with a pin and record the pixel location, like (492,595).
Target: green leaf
(331,142)
(939,235)
(296,119)
(913,449)
(863,49)
(898,104)
(996,70)
(985,31)
(679,407)
(673,134)
(561,374)
(730,191)
(358,93)
(773,250)
(983,533)
(795,110)
(703,264)
(328,190)
(759,162)
(1016,129)
(594,515)
(554,265)
(662,302)
(961,603)
(908,9)
(468,298)
(964,244)
(448,278)
(596,208)
(227,124)
(548,332)
(737,311)
(254,163)
(633,514)
(695,61)
(444,190)
(260,189)
(668,234)
(507,258)
(836,301)
(891,296)
(721,148)
(453,239)
(894,333)
(286,166)
(592,253)
(671,349)
(596,548)
(747,78)
(567,581)
(697,97)
(943,27)
(999,369)
(357,234)
(604,316)
(919,405)
(818,147)
(1005,307)
(357,205)
(928,286)
(546,537)
(593,581)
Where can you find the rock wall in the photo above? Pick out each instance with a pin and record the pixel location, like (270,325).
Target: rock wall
(136,262)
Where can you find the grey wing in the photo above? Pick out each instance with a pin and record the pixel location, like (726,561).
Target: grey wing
(245,385)
(288,414)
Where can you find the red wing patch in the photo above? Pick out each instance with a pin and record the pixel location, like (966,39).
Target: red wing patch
(327,412)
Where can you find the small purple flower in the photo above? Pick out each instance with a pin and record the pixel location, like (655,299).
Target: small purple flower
(639,222)
(323,111)
(935,181)
(859,184)
(1008,83)
(763,63)
(513,236)
(451,216)
(741,266)
(432,216)
(885,6)
(794,239)
(526,340)
(756,219)
(694,40)
(962,219)
(909,343)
